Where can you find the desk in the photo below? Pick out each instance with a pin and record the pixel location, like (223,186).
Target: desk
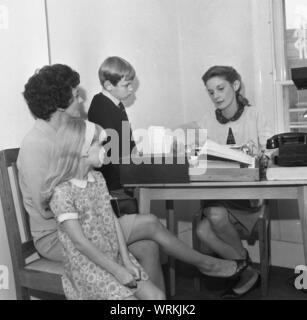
(226,190)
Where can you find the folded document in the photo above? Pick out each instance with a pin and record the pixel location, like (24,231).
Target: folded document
(287,173)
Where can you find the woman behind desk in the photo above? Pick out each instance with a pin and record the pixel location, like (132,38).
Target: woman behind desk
(236,122)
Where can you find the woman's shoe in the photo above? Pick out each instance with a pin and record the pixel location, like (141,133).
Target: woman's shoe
(231,294)
(248,258)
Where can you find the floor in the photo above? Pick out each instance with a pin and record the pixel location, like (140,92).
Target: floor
(279,286)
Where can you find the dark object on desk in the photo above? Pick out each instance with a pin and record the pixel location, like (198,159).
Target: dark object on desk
(299,77)
(292,148)
(146,169)
(263,165)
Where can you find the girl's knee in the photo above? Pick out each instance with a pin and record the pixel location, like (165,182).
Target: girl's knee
(151,224)
(157,294)
(131,298)
(149,291)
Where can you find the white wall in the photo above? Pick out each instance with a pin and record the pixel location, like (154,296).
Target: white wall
(23,48)
(211,33)
(84,33)
(294,9)
(170,50)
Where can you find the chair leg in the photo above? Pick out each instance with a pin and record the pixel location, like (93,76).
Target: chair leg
(196,246)
(264,249)
(22,293)
(171,225)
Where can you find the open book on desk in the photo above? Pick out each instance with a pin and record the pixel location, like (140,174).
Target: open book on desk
(225,152)
(214,163)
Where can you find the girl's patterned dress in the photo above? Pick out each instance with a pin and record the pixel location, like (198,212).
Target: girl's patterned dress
(90,204)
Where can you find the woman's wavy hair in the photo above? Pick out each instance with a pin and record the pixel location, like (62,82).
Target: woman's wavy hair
(66,156)
(50,88)
(229,74)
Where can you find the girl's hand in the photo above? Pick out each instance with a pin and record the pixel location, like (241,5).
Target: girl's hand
(124,276)
(134,270)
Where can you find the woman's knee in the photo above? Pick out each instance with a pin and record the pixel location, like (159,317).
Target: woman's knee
(217,216)
(204,232)
(202,229)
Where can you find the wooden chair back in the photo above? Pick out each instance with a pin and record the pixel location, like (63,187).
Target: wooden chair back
(19,236)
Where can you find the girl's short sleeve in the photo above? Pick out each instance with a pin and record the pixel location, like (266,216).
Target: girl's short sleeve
(62,205)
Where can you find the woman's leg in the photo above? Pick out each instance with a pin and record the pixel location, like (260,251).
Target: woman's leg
(222,227)
(219,234)
(148,291)
(149,227)
(213,242)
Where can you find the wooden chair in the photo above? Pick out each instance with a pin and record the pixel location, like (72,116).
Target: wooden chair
(260,232)
(42,277)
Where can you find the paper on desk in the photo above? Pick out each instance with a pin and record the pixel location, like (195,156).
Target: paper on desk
(223,151)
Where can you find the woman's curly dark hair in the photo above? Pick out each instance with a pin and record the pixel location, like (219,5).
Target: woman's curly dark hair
(50,88)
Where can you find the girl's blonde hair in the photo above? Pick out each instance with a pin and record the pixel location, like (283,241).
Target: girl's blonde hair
(66,156)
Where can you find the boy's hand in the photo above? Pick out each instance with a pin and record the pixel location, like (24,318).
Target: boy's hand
(124,276)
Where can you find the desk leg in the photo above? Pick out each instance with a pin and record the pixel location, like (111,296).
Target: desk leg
(302,208)
(171,261)
(144,201)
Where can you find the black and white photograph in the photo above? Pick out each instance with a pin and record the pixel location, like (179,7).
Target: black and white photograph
(153,150)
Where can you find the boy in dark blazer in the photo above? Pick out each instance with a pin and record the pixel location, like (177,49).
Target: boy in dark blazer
(116,76)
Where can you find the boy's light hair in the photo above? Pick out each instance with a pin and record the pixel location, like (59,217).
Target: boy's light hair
(114,69)
(66,155)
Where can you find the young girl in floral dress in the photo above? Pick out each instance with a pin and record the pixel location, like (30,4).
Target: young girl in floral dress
(97,264)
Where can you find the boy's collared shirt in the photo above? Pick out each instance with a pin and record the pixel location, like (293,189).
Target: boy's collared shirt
(112,98)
